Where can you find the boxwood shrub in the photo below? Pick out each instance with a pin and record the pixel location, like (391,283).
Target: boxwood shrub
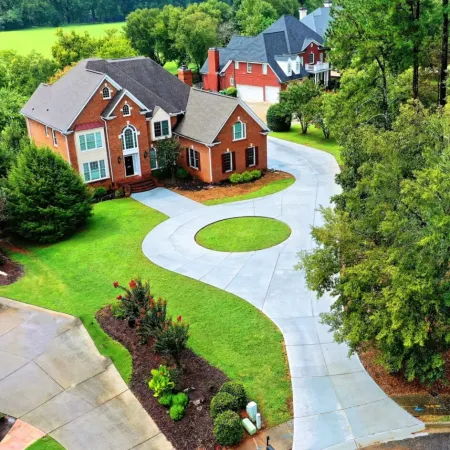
(176,412)
(278,118)
(222,402)
(228,428)
(231,91)
(245,177)
(236,390)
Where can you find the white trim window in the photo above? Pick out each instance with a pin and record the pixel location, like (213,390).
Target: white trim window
(301,60)
(106,93)
(47,134)
(251,157)
(311,58)
(94,170)
(264,69)
(129,138)
(239,131)
(161,129)
(194,159)
(126,110)
(90,141)
(249,67)
(236,64)
(289,68)
(321,57)
(297,65)
(228,162)
(231,81)
(55,140)
(154,164)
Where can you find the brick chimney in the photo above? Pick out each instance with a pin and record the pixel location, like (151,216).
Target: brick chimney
(185,74)
(213,69)
(303,12)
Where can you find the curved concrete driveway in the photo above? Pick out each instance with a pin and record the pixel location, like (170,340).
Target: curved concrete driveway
(336,403)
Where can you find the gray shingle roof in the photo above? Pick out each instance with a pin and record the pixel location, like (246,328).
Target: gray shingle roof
(286,36)
(318,20)
(59,104)
(206,114)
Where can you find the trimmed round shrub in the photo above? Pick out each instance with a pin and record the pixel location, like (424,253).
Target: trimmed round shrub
(223,402)
(176,412)
(100,192)
(235,178)
(237,390)
(166,399)
(247,177)
(232,91)
(228,428)
(256,174)
(46,200)
(119,193)
(180,399)
(181,173)
(278,118)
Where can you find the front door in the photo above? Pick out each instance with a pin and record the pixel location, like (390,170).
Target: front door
(129,166)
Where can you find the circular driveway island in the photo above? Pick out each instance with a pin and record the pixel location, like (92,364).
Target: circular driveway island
(337,405)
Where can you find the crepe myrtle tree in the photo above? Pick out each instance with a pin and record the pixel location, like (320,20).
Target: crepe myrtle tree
(168,151)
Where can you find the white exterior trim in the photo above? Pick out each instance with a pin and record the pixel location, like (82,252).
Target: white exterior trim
(67,148)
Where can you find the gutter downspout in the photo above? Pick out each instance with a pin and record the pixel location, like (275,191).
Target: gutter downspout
(111,171)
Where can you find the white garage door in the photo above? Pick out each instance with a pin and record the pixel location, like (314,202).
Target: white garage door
(250,93)
(272,94)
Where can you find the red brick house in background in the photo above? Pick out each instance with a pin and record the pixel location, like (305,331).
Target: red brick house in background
(261,66)
(105,117)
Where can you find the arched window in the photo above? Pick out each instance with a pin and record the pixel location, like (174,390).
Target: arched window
(106,93)
(126,110)
(129,138)
(239,131)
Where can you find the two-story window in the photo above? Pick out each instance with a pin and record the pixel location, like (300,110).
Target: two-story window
(55,140)
(194,158)
(161,129)
(90,141)
(251,157)
(227,162)
(249,67)
(239,131)
(94,170)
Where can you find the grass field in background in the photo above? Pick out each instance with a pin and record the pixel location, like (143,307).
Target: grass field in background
(42,39)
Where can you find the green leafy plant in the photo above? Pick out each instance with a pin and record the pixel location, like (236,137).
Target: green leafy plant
(100,192)
(119,193)
(176,412)
(176,374)
(256,174)
(166,399)
(152,319)
(222,402)
(161,383)
(136,299)
(118,311)
(237,390)
(279,118)
(231,91)
(228,428)
(181,173)
(172,339)
(236,178)
(180,399)
(247,177)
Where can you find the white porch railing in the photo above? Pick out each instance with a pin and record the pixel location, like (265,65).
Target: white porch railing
(318,67)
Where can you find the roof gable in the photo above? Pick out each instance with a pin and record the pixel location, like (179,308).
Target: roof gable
(319,20)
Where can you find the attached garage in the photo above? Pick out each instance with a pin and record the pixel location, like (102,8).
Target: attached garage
(272,94)
(250,93)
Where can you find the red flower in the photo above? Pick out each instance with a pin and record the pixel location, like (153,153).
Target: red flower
(179,318)
(119,297)
(132,284)
(116,284)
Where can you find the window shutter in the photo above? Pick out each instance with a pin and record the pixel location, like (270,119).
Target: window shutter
(233,158)
(187,156)
(247,152)
(199,164)
(256,156)
(223,162)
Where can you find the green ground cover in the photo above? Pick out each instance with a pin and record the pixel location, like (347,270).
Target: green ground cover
(76,276)
(243,234)
(46,443)
(42,39)
(314,138)
(268,189)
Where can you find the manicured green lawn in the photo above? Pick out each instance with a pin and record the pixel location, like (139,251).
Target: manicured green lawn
(76,276)
(42,39)
(46,443)
(243,234)
(173,66)
(314,138)
(268,189)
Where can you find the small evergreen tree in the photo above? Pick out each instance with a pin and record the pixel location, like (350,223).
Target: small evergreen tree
(168,153)
(47,201)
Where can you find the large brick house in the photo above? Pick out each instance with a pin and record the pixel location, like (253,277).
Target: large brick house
(105,118)
(261,66)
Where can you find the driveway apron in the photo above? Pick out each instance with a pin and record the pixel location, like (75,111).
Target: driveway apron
(337,405)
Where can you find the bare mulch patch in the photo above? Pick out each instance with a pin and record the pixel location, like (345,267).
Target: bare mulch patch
(195,430)
(200,192)
(5,425)
(396,384)
(13,271)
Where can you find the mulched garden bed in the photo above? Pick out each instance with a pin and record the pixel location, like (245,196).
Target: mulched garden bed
(5,425)
(195,430)
(13,270)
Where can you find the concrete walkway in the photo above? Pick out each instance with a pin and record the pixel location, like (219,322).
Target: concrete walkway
(53,377)
(336,403)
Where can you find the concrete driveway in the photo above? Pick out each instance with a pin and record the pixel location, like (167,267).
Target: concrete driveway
(53,377)
(336,403)
(260,109)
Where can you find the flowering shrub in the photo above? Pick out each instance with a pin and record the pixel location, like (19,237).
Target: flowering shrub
(135,298)
(161,383)
(172,339)
(152,319)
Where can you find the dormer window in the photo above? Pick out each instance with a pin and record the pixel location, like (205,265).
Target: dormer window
(289,68)
(106,93)
(126,111)
(239,131)
(297,65)
(161,129)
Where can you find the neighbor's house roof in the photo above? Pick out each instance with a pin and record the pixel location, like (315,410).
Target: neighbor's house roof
(59,104)
(212,109)
(286,36)
(319,20)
